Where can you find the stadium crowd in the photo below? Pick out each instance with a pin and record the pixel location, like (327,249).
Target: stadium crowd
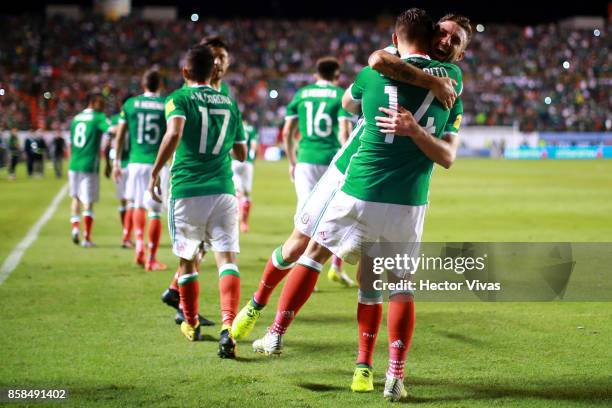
(539,78)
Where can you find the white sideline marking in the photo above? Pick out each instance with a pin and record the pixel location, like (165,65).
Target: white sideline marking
(15,256)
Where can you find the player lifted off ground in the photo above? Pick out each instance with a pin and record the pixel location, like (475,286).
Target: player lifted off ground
(86,132)
(143,117)
(203,126)
(243,176)
(323,125)
(451,37)
(384,196)
(283,257)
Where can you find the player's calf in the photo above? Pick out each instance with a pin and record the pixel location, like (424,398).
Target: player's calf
(75,221)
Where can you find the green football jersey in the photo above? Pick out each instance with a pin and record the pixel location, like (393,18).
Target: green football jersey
(86,132)
(144,116)
(387,168)
(343,157)
(224,89)
(125,154)
(213,124)
(454,119)
(318,108)
(251,137)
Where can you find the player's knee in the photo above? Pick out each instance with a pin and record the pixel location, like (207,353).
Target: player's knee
(318,252)
(295,246)
(223,258)
(187,265)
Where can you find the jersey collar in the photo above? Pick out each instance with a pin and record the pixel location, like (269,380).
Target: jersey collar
(150,94)
(201,86)
(88,110)
(416,55)
(322,82)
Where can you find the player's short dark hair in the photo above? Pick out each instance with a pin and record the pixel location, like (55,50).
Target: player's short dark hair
(92,96)
(328,67)
(461,21)
(199,62)
(415,25)
(216,42)
(151,79)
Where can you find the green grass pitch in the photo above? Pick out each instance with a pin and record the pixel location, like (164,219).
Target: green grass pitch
(91,322)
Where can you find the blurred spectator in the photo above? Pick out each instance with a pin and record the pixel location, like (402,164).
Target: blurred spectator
(39,150)
(30,147)
(14,153)
(538,78)
(58,145)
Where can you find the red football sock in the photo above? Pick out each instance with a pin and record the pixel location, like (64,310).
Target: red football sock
(229,292)
(275,271)
(400,325)
(154,236)
(88,221)
(174,283)
(246,209)
(337,263)
(128,221)
(189,291)
(140,221)
(298,288)
(368,319)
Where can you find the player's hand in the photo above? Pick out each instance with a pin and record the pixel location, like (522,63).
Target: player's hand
(154,188)
(292,172)
(117,174)
(444,90)
(400,123)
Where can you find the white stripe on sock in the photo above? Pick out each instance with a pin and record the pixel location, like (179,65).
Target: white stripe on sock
(311,263)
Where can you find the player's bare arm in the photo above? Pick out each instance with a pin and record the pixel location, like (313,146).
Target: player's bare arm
(393,67)
(345,127)
(349,104)
(289,131)
(120,133)
(107,163)
(239,151)
(169,143)
(401,123)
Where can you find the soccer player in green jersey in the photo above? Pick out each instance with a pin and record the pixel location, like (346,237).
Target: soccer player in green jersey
(203,126)
(323,125)
(384,194)
(220,52)
(283,258)
(86,132)
(243,176)
(122,159)
(143,116)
